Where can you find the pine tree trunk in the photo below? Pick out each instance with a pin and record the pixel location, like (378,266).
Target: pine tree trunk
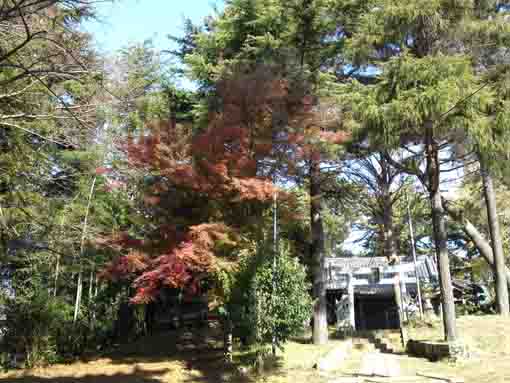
(388,233)
(320,322)
(440,234)
(479,241)
(497,244)
(389,249)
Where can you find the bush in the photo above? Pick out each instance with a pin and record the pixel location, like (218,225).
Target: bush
(265,309)
(32,323)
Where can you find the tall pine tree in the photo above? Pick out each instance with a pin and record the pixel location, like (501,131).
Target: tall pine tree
(301,38)
(427,92)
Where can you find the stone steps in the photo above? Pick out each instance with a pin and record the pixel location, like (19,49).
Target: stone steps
(385,341)
(364,346)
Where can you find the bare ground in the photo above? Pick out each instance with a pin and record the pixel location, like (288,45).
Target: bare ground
(182,357)
(176,357)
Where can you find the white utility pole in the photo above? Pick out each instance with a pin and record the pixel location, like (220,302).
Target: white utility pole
(275,254)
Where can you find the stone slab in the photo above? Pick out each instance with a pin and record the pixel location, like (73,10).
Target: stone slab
(333,359)
(347,379)
(375,364)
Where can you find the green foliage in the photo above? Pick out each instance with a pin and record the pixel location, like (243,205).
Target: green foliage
(286,308)
(414,90)
(295,34)
(471,201)
(34,321)
(48,131)
(421,58)
(272,299)
(40,325)
(438,61)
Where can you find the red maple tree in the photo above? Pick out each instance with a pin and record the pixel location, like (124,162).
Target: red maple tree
(202,186)
(206,185)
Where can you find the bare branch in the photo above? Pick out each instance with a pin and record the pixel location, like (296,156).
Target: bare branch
(35,134)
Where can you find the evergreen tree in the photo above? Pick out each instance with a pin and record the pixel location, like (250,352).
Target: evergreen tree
(486,38)
(301,39)
(427,92)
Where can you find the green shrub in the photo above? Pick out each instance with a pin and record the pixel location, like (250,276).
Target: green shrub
(32,322)
(265,309)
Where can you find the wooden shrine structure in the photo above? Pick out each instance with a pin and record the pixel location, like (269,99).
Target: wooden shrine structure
(361,290)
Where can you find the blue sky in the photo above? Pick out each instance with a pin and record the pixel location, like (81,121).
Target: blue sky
(127,21)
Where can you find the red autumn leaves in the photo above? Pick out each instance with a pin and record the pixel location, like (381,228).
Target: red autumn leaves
(215,171)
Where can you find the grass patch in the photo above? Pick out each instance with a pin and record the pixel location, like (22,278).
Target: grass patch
(487,334)
(488,339)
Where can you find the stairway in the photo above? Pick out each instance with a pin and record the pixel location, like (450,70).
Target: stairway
(363,344)
(386,341)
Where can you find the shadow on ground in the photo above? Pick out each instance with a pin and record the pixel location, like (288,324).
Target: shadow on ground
(184,356)
(137,376)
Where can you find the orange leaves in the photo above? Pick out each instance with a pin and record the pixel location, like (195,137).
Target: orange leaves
(256,189)
(218,171)
(220,139)
(188,257)
(151,199)
(101,170)
(126,266)
(334,137)
(118,241)
(162,145)
(207,183)
(114,185)
(207,235)
(185,264)
(218,162)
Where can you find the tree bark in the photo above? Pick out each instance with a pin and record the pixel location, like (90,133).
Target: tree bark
(320,322)
(388,233)
(386,204)
(472,232)
(497,243)
(440,234)
(389,237)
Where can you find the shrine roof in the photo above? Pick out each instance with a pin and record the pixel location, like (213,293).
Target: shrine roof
(354,263)
(425,266)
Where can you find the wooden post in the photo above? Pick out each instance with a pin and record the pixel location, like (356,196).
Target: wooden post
(398,301)
(403,298)
(413,248)
(350,292)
